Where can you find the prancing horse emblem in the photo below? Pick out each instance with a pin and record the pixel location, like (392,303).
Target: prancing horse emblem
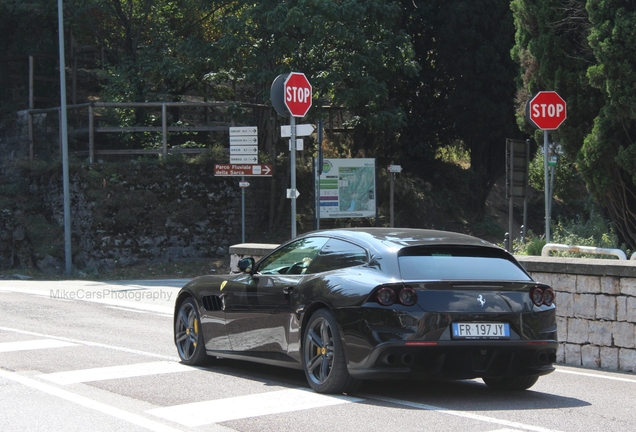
(481,300)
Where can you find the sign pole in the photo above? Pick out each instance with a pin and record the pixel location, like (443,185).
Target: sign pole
(292,167)
(64,144)
(547,186)
(291,94)
(391,200)
(242,211)
(318,172)
(546,111)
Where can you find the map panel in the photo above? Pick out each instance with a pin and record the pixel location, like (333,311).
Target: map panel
(347,188)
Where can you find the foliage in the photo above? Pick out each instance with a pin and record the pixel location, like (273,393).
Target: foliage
(152,46)
(585,51)
(465,91)
(568,184)
(410,77)
(532,245)
(354,53)
(608,156)
(455,154)
(595,231)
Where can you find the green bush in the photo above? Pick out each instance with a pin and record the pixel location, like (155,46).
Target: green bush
(594,232)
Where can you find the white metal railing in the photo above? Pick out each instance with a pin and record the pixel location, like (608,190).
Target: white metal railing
(633,257)
(584,249)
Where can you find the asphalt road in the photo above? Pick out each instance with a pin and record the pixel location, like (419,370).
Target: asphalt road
(92,356)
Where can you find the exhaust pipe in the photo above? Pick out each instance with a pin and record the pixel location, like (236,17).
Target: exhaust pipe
(389,359)
(407,359)
(545,357)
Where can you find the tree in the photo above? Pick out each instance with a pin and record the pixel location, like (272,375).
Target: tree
(608,155)
(585,51)
(465,91)
(28,27)
(152,46)
(351,51)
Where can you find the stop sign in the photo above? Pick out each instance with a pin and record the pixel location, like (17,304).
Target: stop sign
(547,110)
(297,94)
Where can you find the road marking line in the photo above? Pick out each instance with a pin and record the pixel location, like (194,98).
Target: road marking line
(505,430)
(240,407)
(116,372)
(88,403)
(93,344)
(92,297)
(587,374)
(34,345)
(141,311)
(468,415)
(128,309)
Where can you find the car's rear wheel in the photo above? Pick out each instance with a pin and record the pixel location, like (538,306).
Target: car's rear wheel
(187,334)
(323,356)
(511,383)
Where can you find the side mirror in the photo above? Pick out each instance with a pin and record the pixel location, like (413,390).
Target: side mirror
(245,265)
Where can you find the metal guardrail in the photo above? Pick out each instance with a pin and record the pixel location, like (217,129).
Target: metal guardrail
(585,250)
(633,257)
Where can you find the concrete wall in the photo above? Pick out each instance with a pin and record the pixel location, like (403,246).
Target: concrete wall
(596,305)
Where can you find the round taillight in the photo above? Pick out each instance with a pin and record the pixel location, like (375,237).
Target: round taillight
(408,296)
(536,295)
(548,297)
(386,296)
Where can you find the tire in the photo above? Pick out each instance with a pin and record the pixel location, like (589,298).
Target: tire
(323,356)
(188,335)
(511,383)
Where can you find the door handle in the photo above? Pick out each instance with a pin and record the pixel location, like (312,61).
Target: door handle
(287,290)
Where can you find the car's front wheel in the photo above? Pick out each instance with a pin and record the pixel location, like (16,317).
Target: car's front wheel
(323,356)
(511,383)
(187,334)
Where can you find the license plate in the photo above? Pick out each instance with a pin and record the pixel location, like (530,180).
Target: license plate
(481,331)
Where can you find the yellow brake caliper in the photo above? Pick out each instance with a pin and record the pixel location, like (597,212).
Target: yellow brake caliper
(196,331)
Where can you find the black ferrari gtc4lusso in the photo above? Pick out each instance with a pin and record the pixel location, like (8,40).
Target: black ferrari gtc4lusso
(347,305)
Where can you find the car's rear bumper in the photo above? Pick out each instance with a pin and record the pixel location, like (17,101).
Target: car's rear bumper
(457,360)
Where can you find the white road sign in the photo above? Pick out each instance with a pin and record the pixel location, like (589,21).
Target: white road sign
(292,192)
(243,140)
(243,159)
(243,150)
(243,130)
(301,130)
(300,144)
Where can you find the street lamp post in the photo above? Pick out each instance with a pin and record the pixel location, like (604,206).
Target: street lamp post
(64,137)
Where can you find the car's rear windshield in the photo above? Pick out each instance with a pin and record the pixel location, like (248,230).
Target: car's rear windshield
(458,263)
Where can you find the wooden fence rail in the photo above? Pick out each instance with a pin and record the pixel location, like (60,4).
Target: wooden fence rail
(92,129)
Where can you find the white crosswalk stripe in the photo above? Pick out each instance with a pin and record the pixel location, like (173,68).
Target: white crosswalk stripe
(116,372)
(33,345)
(222,410)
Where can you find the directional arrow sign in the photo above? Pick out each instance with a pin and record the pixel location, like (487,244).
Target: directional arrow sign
(301,130)
(245,170)
(243,140)
(243,150)
(243,130)
(243,159)
(293,193)
(244,184)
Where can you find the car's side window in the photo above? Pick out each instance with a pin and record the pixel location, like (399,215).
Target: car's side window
(293,258)
(337,254)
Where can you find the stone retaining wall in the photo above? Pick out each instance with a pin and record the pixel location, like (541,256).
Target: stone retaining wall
(596,305)
(596,309)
